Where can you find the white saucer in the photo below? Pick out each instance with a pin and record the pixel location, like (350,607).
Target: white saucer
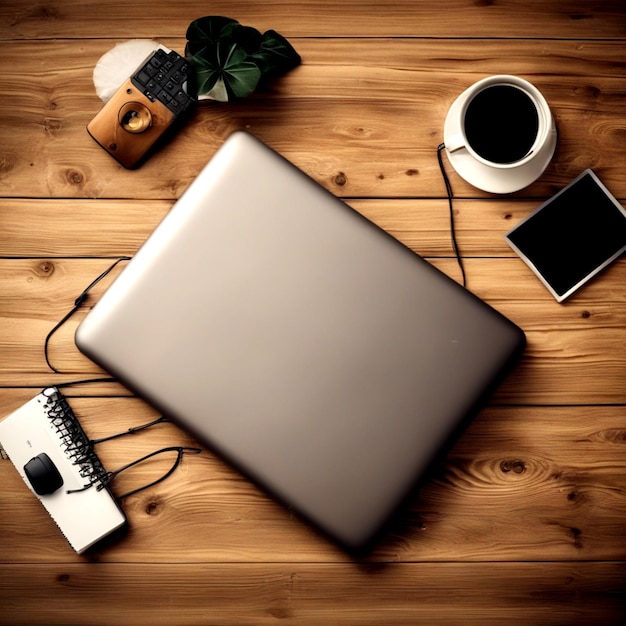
(492,178)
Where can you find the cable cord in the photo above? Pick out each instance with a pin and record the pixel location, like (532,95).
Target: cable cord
(77,304)
(446,181)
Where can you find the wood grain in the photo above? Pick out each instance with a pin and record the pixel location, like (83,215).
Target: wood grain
(518,485)
(295,18)
(522,521)
(305,594)
(367,127)
(112,228)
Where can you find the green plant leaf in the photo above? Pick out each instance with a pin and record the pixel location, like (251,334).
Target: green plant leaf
(207,31)
(218,91)
(276,55)
(223,72)
(241,76)
(248,38)
(230,59)
(206,74)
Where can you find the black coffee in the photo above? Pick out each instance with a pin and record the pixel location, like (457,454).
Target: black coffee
(501,124)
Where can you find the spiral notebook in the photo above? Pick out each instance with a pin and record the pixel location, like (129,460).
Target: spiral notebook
(47,425)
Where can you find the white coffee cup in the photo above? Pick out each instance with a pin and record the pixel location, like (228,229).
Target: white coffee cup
(499,134)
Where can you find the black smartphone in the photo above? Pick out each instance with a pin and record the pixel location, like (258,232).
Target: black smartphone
(572,236)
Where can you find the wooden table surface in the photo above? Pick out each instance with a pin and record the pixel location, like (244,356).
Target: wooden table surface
(524,522)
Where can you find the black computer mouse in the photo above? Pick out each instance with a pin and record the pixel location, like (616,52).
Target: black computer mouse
(43,474)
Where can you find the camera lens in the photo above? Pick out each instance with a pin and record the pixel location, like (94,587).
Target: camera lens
(131,120)
(135,117)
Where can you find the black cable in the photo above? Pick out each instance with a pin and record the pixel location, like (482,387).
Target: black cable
(85,381)
(446,181)
(77,304)
(109,476)
(130,431)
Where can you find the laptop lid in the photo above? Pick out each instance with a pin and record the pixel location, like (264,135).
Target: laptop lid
(324,359)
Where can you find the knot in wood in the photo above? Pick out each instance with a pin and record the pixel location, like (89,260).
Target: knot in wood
(45,268)
(516,466)
(74,177)
(576,534)
(154,507)
(341,179)
(51,125)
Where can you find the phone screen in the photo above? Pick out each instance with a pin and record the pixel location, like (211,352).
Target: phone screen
(572,236)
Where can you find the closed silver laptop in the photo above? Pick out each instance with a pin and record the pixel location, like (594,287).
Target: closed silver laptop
(313,351)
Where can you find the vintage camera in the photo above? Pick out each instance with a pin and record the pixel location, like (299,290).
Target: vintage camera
(152,101)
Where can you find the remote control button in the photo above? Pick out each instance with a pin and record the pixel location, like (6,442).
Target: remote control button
(164,97)
(163,77)
(143,77)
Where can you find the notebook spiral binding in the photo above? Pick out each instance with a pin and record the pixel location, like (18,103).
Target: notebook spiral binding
(74,441)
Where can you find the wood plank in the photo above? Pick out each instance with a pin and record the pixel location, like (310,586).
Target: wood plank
(307,594)
(297,18)
(521,484)
(77,228)
(368,128)
(113,228)
(575,352)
